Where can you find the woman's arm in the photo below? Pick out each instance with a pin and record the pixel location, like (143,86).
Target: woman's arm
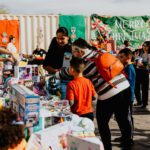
(7,59)
(50,69)
(63,74)
(5,51)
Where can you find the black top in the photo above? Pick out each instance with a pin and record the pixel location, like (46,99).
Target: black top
(55,54)
(39,56)
(40,52)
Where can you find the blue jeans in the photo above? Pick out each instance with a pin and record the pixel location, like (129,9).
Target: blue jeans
(63,86)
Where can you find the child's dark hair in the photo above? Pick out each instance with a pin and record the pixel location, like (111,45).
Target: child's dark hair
(11,134)
(147,43)
(136,50)
(126,52)
(77,64)
(62,30)
(11,37)
(126,42)
(81,43)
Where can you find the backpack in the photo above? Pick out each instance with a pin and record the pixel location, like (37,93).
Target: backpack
(108,66)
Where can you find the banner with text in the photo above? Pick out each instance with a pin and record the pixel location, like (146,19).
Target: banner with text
(135,29)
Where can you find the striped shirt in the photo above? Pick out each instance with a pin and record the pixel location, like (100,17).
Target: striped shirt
(103,89)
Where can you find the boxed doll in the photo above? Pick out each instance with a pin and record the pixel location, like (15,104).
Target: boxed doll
(26,72)
(26,103)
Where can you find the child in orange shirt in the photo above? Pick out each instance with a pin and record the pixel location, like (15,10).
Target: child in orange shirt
(80,91)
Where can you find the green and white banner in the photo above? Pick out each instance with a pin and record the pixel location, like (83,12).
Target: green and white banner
(135,29)
(75,25)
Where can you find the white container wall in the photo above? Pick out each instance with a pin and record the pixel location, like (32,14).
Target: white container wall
(33,26)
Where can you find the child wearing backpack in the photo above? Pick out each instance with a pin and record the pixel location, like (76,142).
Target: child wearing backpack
(80,91)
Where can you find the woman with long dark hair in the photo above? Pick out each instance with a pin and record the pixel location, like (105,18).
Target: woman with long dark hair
(142,75)
(59,45)
(53,62)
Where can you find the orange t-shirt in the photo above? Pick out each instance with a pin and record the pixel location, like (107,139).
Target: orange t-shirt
(81,91)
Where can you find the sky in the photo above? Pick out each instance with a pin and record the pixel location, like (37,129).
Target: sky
(82,7)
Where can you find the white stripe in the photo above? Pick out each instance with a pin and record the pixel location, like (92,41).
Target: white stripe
(57,76)
(29,35)
(22,36)
(92,54)
(47,32)
(88,64)
(34,28)
(114,91)
(92,71)
(100,80)
(118,77)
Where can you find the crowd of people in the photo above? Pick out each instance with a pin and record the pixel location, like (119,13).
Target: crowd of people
(81,83)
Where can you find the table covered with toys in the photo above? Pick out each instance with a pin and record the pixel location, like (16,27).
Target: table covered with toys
(49,122)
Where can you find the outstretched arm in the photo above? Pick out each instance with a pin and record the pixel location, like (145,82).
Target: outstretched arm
(5,51)
(63,74)
(50,69)
(7,59)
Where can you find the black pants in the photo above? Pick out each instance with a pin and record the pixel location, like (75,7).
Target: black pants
(119,105)
(89,115)
(131,119)
(142,86)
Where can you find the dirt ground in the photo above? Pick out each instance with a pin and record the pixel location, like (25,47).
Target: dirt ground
(141,132)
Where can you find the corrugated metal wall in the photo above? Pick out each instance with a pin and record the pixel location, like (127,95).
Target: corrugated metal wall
(31,25)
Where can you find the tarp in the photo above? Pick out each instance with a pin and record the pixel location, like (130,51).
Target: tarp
(7,28)
(75,25)
(135,29)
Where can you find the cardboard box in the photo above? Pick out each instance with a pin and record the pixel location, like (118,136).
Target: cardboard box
(75,143)
(23,72)
(53,137)
(26,103)
(58,137)
(31,118)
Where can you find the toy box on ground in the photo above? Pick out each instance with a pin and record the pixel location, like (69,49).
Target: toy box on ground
(26,103)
